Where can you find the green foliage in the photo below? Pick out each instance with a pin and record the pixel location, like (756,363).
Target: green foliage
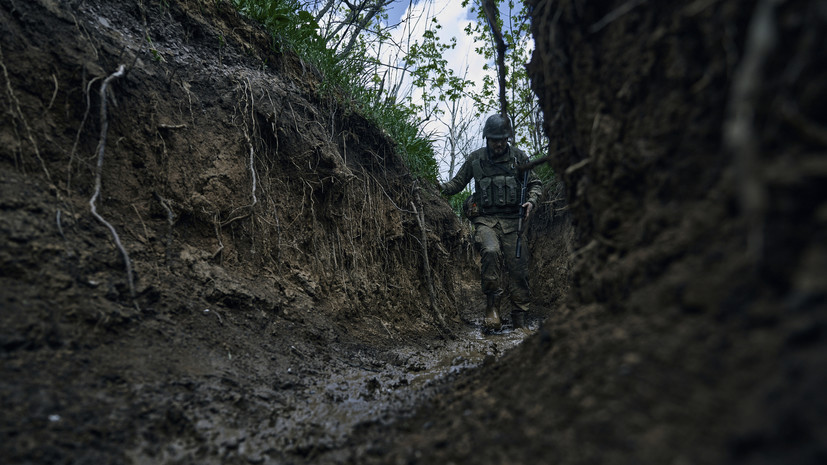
(294,28)
(432,74)
(458,200)
(523,105)
(283,18)
(545,172)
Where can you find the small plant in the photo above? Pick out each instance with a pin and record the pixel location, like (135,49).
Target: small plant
(221,45)
(458,200)
(154,51)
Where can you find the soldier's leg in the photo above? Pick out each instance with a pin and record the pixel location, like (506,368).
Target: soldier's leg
(517,273)
(488,244)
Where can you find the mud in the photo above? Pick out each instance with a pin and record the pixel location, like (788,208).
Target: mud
(693,332)
(280,298)
(281,312)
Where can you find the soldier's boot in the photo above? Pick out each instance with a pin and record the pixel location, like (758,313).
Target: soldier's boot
(518,319)
(492,319)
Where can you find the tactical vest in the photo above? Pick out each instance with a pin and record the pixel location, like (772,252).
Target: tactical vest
(497,185)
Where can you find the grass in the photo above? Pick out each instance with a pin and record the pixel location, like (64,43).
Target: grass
(295,29)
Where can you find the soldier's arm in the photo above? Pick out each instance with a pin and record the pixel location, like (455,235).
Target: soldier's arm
(534,189)
(462,178)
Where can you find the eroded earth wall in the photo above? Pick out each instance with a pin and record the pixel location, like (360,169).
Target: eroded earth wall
(276,254)
(221,155)
(691,140)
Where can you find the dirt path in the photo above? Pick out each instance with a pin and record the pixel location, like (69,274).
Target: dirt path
(193,376)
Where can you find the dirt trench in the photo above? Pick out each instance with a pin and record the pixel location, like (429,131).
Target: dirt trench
(275,301)
(689,137)
(281,310)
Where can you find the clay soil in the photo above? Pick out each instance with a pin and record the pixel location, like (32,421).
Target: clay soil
(212,257)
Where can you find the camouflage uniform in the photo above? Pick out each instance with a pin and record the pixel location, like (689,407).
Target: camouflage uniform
(497,187)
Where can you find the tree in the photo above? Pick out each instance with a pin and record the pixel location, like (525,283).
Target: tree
(458,139)
(524,109)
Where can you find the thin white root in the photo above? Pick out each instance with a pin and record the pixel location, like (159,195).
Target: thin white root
(250,142)
(252,169)
(740,134)
(59,225)
(54,94)
(99,170)
(77,136)
(17,112)
(218,236)
(170,223)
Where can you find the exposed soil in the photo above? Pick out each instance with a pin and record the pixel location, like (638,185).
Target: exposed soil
(279,308)
(281,300)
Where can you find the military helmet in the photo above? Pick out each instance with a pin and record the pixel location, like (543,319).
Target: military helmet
(496,127)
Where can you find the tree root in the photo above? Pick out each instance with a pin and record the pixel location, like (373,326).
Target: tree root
(77,136)
(99,170)
(17,112)
(420,218)
(170,222)
(740,134)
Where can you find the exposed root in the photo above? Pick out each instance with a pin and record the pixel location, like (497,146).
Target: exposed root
(143,225)
(806,127)
(249,105)
(250,142)
(170,222)
(385,325)
(740,134)
(85,34)
(378,184)
(420,219)
(59,225)
(615,14)
(99,170)
(77,136)
(17,113)
(54,94)
(220,242)
(578,166)
(252,168)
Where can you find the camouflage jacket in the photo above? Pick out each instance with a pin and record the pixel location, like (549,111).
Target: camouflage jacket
(497,183)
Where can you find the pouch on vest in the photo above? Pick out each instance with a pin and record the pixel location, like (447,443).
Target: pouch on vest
(486,196)
(471,207)
(514,187)
(499,191)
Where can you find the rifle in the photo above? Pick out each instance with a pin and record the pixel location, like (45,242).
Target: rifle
(522,213)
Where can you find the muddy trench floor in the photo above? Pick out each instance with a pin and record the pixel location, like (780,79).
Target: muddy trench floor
(175,401)
(199,378)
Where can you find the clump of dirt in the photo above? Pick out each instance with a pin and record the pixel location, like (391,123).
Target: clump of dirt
(273,233)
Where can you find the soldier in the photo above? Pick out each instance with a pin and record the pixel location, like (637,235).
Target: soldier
(497,183)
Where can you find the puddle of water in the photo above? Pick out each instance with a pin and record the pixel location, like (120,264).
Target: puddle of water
(323,413)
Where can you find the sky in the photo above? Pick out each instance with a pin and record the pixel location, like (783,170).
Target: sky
(407,20)
(453,18)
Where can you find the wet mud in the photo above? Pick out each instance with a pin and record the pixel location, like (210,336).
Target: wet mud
(279,310)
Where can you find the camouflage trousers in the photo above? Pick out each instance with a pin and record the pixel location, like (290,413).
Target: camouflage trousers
(496,240)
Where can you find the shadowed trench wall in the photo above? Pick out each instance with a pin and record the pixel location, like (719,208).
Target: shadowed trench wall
(691,146)
(274,243)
